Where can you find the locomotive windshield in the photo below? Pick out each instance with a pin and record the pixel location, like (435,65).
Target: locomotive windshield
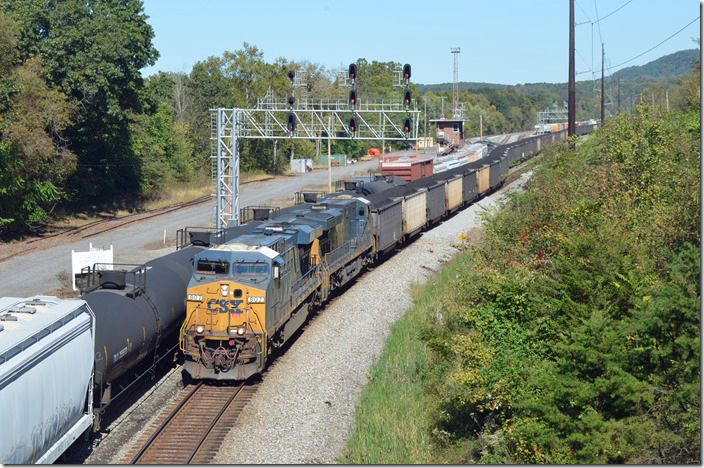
(212,267)
(250,269)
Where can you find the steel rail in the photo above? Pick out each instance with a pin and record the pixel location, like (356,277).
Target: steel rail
(213,423)
(163,425)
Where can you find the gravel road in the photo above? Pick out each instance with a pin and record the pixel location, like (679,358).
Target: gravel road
(36,272)
(304,409)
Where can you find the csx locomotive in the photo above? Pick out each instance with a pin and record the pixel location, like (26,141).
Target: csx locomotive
(249,295)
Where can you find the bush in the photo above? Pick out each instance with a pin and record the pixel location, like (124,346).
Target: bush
(573,332)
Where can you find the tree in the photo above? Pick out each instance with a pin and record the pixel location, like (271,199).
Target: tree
(93,51)
(34,158)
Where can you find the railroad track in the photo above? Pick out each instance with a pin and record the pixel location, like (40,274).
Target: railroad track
(127,219)
(192,429)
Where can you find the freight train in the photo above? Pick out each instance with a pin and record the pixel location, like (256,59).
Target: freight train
(257,288)
(248,296)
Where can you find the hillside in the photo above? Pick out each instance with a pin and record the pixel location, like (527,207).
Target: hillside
(666,67)
(624,89)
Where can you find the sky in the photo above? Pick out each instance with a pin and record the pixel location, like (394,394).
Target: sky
(501,41)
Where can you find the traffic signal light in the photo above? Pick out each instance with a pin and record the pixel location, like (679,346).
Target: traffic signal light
(353,125)
(291,122)
(407,98)
(291,75)
(407,71)
(353,71)
(353,98)
(407,125)
(291,101)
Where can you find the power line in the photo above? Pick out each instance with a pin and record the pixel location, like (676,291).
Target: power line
(583,59)
(657,45)
(585,13)
(598,23)
(629,1)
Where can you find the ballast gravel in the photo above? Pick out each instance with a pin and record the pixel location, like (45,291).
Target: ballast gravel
(304,409)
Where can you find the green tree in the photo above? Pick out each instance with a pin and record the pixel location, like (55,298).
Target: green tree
(92,52)
(34,159)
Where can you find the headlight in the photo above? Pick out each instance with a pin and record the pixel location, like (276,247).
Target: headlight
(200,328)
(224,290)
(241,331)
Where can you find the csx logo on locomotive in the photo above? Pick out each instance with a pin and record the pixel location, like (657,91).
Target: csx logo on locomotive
(224,306)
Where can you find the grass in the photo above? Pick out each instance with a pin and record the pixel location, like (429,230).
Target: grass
(176,194)
(395,413)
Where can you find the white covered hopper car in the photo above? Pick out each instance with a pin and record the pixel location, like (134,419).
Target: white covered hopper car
(46,376)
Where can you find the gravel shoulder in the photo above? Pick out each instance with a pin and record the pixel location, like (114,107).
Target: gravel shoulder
(304,409)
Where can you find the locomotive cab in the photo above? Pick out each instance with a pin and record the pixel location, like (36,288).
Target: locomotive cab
(224,334)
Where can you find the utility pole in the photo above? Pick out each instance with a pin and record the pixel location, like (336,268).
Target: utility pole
(442,104)
(425,114)
(603,96)
(481,126)
(571,90)
(667,100)
(618,96)
(329,155)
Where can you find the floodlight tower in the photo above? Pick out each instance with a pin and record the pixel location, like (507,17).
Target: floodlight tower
(455,82)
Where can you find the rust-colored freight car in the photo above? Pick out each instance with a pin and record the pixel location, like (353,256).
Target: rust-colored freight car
(407,168)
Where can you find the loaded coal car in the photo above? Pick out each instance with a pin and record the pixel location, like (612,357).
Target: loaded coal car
(453,189)
(386,218)
(46,376)
(414,203)
(435,204)
(248,296)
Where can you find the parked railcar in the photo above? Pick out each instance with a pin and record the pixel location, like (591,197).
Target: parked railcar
(46,376)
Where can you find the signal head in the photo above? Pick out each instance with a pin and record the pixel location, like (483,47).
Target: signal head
(291,75)
(353,98)
(353,125)
(353,71)
(407,98)
(407,71)
(407,125)
(291,122)
(291,100)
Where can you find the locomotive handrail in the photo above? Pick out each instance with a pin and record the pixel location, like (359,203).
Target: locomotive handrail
(183,241)
(88,283)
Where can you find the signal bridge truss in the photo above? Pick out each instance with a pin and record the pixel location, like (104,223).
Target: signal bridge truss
(315,119)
